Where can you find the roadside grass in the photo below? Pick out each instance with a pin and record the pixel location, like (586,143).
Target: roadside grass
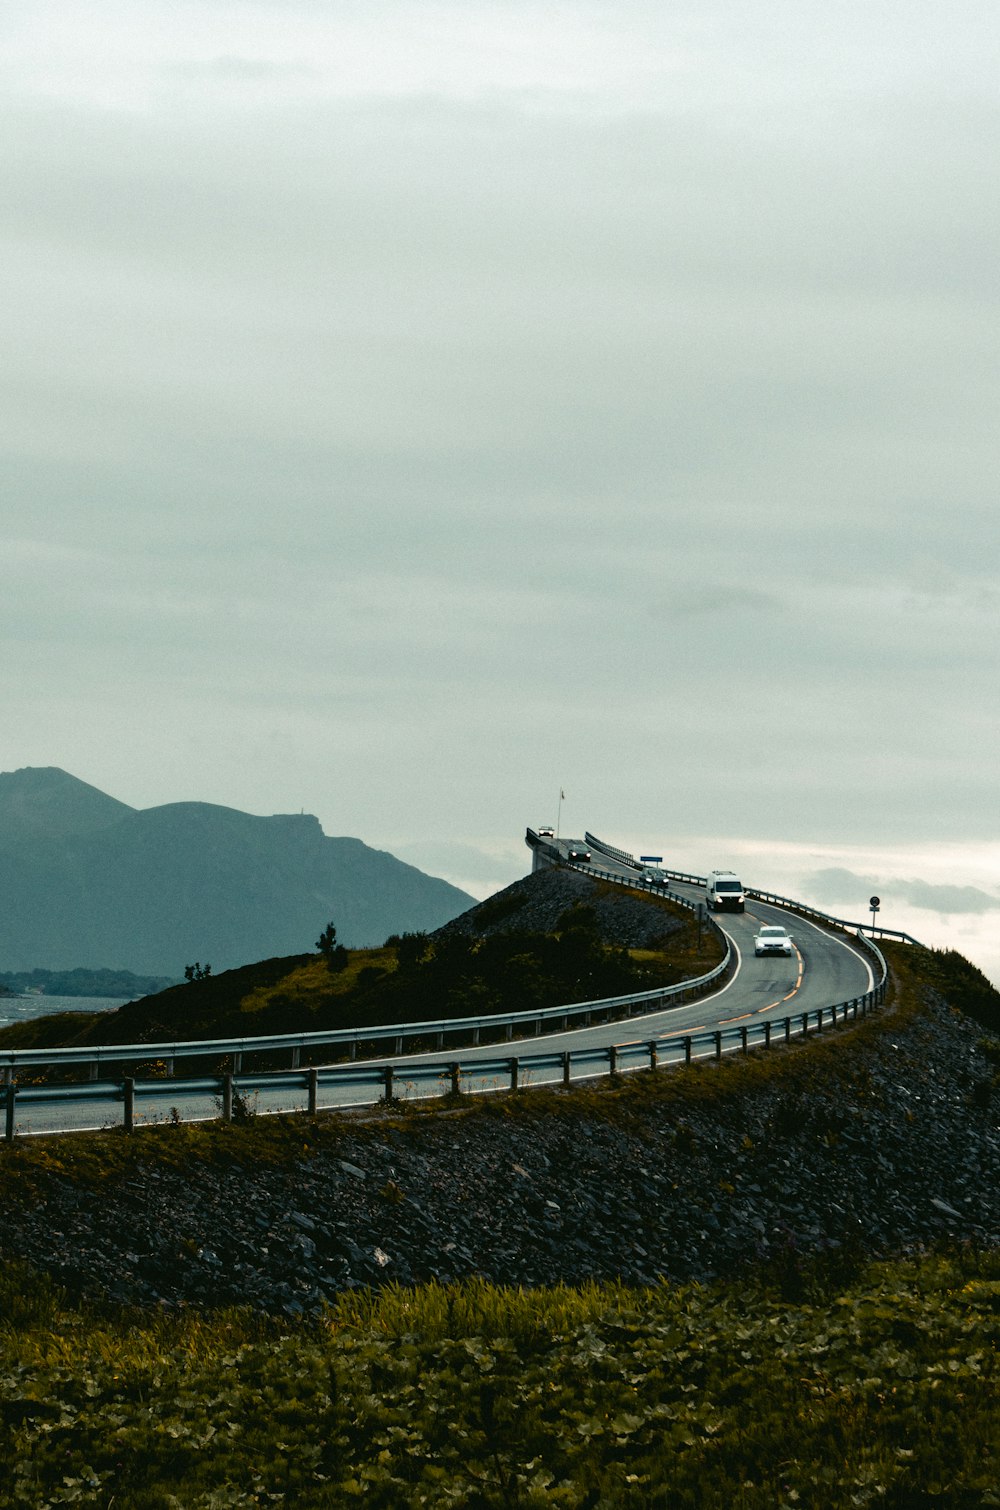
(863,1385)
(478,1396)
(312,985)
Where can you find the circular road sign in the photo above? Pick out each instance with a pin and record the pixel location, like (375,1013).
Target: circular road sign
(874,903)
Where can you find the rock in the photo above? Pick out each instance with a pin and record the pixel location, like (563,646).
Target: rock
(539,1199)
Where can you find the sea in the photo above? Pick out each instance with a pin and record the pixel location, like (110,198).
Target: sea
(25,1008)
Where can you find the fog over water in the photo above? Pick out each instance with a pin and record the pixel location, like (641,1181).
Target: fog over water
(27,1008)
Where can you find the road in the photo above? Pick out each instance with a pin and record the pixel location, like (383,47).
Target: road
(824,968)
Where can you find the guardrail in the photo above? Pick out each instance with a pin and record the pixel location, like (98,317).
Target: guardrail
(775,898)
(452,1076)
(561,1017)
(617,1056)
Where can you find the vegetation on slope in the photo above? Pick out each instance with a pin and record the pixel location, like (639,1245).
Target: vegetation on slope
(878,1392)
(813,1386)
(411,978)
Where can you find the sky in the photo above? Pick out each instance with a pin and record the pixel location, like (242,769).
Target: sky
(411,411)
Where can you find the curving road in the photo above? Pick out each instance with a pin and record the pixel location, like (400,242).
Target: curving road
(824,968)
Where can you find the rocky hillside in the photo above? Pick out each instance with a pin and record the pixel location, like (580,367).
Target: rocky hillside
(879,1139)
(632,920)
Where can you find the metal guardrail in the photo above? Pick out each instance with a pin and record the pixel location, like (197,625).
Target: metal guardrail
(350,1039)
(452,1076)
(774,897)
(613,1059)
(845,923)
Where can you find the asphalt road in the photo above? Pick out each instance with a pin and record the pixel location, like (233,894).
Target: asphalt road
(824,968)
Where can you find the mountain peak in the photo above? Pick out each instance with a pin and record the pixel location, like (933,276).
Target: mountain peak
(41,801)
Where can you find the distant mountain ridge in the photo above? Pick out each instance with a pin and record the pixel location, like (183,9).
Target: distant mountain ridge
(87,881)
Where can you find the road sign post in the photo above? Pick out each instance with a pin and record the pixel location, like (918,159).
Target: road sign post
(874,903)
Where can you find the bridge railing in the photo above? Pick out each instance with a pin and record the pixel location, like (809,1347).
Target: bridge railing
(717,1041)
(387,1082)
(349,1040)
(775,898)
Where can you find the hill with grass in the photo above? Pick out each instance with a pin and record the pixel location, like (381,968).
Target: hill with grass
(88,882)
(770,1283)
(553,937)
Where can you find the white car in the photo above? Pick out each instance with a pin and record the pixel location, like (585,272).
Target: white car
(546,833)
(771,939)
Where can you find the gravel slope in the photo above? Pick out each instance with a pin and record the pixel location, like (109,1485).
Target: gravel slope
(891,1144)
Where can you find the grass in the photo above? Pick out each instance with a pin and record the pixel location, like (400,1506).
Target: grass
(885,1395)
(876,1388)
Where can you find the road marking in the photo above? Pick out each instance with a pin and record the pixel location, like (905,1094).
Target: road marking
(741,1018)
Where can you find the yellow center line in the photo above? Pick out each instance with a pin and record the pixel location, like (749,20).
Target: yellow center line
(798,979)
(740,1018)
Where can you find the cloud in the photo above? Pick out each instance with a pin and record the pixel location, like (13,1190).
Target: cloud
(836,886)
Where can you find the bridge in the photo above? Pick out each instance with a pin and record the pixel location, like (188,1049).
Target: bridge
(835,975)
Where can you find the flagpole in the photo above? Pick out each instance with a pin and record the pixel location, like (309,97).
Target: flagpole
(559,811)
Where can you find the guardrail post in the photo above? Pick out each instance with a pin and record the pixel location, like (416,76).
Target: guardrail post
(566,1075)
(397,1046)
(11,1095)
(387,1078)
(128,1085)
(313,1090)
(475,1038)
(352,1050)
(652,1054)
(718,1044)
(92,1070)
(819,1019)
(227,1098)
(767,1035)
(296,1052)
(514,1066)
(455,1074)
(508,1034)
(237,1063)
(805,1025)
(612,1060)
(743,1038)
(687,1051)
(788,1030)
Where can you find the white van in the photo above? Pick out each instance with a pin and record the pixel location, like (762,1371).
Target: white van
(724,892)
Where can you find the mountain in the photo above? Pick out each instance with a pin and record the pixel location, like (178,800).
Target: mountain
(87,881)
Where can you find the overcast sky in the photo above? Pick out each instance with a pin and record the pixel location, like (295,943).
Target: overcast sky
(410,410)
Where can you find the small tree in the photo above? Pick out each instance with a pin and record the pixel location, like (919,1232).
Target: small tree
(411,949)
(335,954)
(197,971)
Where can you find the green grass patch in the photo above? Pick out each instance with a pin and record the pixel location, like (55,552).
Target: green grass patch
(478,1396)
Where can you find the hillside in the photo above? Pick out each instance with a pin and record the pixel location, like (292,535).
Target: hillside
(89,882)
(878,1140)
(552,937)
(769,1282)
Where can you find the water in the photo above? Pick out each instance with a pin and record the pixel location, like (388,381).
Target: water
(26,1008)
